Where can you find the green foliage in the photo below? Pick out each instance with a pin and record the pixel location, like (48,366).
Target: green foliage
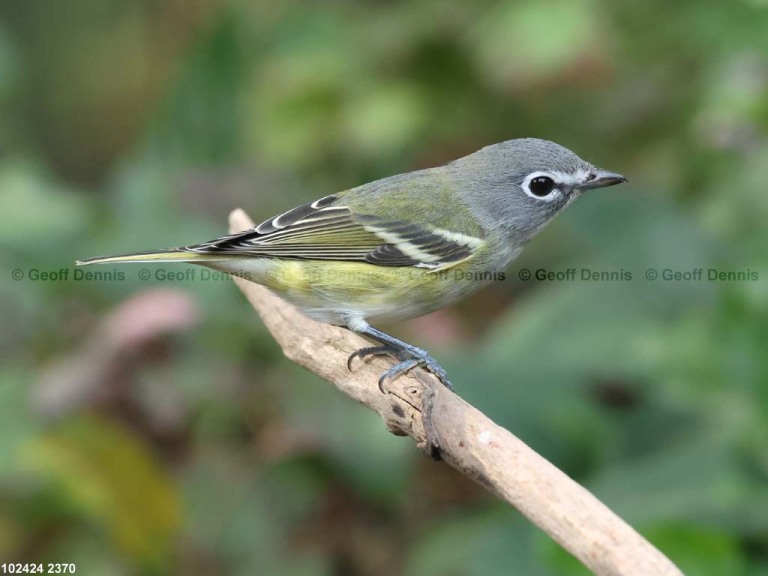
(153,427)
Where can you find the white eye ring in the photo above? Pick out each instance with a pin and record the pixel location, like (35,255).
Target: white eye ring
(553,194)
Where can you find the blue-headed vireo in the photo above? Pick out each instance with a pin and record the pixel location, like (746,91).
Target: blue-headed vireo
(402,246)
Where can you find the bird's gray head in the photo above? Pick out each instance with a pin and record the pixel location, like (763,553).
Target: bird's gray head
(521,185)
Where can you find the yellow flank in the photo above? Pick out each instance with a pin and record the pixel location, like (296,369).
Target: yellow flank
(402,291)
(286,275)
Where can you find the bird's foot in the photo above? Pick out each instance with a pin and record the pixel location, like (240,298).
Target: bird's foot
(409,357)
(385,350)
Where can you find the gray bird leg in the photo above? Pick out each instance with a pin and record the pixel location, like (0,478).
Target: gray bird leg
(409,356)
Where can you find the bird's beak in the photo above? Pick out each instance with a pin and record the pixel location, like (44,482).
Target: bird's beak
(602,179)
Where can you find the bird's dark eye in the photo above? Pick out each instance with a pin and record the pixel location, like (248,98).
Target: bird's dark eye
(541,186)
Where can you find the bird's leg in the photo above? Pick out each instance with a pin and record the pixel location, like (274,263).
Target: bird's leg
(409,356)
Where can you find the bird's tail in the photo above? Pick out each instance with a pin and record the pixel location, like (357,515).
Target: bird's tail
(176,255)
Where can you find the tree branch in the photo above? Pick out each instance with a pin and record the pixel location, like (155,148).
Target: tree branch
(468,440)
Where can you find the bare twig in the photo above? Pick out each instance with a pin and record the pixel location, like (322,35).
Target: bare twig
(469,441)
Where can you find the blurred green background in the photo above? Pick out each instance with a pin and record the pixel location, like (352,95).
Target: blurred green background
(151,426)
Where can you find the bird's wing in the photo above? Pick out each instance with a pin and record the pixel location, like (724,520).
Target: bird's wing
(325,230)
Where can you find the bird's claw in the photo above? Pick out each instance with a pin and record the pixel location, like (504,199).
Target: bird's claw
(397,370)
(369,351)
(408,358)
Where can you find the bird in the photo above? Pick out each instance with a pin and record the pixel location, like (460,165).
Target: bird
(401,246)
